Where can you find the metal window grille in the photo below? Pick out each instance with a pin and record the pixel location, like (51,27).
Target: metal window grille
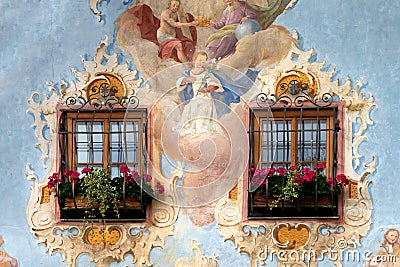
(284,137)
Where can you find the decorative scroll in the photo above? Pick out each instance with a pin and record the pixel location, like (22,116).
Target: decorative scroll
(104,83)
(93,6)
(292,83)
(296,100)
(105,90)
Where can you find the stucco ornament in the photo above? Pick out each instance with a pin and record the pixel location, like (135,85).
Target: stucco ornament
(94,7)
(70,239)
(199,259)
(262,239)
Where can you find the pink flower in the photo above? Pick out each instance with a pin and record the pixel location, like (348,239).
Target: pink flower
(129,178)
(298,179)
(147,177)
(86,170)
(342,179)
(331,181)
(320,166)
(281,171)
(271,172)
(292,168)
(124,169)
(309,175)
(75,175)
(160,188)
(68,173)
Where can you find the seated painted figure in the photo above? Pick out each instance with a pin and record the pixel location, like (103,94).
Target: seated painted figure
(222,43)
(174,33)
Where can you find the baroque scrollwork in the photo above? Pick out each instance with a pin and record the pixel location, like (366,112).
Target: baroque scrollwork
(295,80)
(103,83)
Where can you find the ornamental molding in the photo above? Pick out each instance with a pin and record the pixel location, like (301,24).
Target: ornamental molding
(109,80)
(94,7)
(262,239)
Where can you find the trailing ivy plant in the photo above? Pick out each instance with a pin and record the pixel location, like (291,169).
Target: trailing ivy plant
(101,194)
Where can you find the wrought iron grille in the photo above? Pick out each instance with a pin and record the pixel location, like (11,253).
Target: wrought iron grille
(102,96)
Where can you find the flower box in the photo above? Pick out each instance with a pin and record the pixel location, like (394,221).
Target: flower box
(83,203)
(294,192)
(322,201)
(93,195)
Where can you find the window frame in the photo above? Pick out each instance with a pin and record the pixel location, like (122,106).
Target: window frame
(67,119)
(336,160)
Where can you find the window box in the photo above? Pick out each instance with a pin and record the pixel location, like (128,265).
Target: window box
(93,195)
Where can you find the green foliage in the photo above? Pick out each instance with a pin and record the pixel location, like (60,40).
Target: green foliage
(100,192)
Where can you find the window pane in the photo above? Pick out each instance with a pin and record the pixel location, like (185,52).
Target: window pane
(312,140)
(114,171)
(116,152)
(124,139)
(276,141)
(89,142)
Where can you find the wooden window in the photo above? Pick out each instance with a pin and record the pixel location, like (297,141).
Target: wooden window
(305,137)
(105,139)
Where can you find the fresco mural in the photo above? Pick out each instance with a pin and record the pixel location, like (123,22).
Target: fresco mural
(196,83)
(137,32)
(202,28)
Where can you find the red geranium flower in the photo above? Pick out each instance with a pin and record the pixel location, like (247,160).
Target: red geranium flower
(86,170)
(124,169)
(281,171)
(75,175)
(160,188)
(292,168)
(129,178)
(67,173)
(320,166)
(331,181)
(342,179)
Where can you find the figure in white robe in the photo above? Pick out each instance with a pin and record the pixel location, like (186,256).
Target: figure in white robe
(199,115)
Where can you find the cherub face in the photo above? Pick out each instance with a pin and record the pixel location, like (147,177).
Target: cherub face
(200,60)
(392,237)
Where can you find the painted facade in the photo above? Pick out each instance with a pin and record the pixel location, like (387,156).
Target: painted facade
(201,219)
